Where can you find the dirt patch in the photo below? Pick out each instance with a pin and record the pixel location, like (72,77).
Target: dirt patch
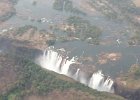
(6,9)
(32,36)
(137,2)
(106,57)
(131,79)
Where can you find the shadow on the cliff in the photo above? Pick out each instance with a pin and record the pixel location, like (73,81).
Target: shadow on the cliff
(129,94)
(18,48)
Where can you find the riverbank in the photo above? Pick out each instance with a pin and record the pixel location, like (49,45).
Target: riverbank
(7,9)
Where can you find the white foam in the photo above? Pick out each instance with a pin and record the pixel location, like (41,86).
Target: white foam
(54,61)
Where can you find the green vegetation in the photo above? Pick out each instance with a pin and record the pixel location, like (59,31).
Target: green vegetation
(7,15)
(132,77)
(135,39)
(79,28)
(105,8)
(50,42)
(137,73)
(32,79)
(14,1)
(67,6)
(58,5)
(24,29)
(125,6)
(84,30)
(115,9)
(135,70)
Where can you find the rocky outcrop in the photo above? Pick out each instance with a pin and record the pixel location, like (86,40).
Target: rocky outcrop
(129,94)
(7,9)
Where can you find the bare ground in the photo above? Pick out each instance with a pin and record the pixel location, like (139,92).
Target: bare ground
(6,9)
(137,3)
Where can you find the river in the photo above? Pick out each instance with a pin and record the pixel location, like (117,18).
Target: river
(28,14)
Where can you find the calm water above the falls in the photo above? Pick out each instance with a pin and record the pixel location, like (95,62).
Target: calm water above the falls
(129,55)
(26,11)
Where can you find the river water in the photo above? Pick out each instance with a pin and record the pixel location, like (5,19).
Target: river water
(43,9)
(128,58)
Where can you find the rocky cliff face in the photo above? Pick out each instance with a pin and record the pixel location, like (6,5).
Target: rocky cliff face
(129,94)
(127,85)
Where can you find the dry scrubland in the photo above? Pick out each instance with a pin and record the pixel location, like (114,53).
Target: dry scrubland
(6,9)
(137,3)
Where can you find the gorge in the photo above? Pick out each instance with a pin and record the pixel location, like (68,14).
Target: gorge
(57,60)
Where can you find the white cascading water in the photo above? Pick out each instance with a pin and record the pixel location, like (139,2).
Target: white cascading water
(54,61)
(76,74)
(99,82)
(66,64)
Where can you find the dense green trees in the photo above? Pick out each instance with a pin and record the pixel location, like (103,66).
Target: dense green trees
(84,30)
(32,79)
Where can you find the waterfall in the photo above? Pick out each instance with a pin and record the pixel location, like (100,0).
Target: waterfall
(99,82)
(76,74)
(66,64)
(54,60)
